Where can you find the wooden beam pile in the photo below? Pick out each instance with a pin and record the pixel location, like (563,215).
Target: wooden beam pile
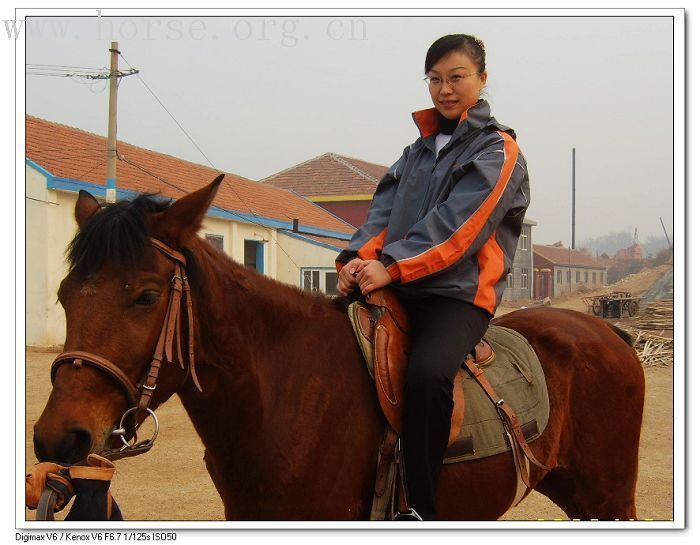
(658,315)
(652,350)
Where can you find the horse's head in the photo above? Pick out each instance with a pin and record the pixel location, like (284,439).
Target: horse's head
(117,296)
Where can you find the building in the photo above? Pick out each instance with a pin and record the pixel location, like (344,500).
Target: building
(342,185)
(562,270)
(280,234)
(519,282)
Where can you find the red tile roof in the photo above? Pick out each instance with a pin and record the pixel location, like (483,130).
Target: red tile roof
(67,152)
(558,255)
(330,175)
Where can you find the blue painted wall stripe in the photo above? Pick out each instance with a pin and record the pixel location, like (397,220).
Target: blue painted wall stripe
(38,168)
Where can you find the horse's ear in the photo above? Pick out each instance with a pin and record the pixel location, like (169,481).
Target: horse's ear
(85,207)
(184,218)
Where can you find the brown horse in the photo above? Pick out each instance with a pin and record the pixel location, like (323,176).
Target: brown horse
(287,412)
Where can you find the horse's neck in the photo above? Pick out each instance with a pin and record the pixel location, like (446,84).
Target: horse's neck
(283,380)
(257,339)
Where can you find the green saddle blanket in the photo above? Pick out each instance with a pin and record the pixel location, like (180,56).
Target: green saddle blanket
(516,375)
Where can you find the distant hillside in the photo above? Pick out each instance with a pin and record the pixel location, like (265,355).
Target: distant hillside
(610,244)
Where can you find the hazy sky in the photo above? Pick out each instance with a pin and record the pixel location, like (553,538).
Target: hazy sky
(260,94)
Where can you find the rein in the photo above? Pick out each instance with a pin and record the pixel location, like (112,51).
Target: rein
(139,395)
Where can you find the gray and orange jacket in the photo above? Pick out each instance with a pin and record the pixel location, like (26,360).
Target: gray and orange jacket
(449,224)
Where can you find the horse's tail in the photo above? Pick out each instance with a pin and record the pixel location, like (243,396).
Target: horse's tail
(624,335)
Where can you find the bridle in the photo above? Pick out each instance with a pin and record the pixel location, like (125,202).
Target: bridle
(139,395)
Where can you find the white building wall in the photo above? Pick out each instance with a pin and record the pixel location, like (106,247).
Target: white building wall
(564,287)
(36,255)
(298,254)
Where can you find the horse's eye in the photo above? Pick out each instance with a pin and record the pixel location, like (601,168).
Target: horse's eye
(147,298)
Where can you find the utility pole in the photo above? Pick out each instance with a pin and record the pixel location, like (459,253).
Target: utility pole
(111,184)
(665,233)
(573,198)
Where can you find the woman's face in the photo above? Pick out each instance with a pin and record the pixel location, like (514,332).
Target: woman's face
(455,83)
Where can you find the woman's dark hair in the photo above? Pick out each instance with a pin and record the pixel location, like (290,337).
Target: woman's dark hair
(470,45)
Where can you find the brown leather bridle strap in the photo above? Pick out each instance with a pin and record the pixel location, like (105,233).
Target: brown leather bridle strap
(78,358)
(141,394)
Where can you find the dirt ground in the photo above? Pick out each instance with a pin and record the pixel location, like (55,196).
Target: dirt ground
(171,481)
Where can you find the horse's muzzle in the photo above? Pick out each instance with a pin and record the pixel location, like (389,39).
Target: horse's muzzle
(66,449)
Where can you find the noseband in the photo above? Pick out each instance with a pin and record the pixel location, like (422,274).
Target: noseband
(139,395)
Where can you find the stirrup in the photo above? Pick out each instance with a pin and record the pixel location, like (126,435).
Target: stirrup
(411,514)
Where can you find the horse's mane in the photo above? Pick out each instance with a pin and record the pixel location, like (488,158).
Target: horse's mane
(118,233)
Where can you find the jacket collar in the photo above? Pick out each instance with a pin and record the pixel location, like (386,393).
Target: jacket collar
(475,117)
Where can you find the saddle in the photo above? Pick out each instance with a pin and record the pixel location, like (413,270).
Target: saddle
(382,329)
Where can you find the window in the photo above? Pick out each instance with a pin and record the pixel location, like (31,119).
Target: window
(319,281)
(523,242)
(578,276)
(585,277)
(602,278)
(568,277)
(523,279)
(594,277)
(215,240)
(559,277)
(509,280)
(254,255)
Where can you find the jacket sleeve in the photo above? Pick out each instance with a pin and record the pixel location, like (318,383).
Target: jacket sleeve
(368,240)
(459,226)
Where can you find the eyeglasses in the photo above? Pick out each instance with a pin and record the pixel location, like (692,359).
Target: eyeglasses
(453,81)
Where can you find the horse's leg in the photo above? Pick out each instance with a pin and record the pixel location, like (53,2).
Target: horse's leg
(598,477)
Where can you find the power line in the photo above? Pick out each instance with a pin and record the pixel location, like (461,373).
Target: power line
(92,168)
(66,71)
(208,161)
(62,66)
(171,115)
(40,200)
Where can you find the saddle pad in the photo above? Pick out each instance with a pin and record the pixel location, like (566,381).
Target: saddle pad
(516,374)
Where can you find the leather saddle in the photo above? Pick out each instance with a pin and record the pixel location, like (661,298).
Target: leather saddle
(383,330)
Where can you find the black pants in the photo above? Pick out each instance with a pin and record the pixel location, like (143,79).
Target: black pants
(443,332)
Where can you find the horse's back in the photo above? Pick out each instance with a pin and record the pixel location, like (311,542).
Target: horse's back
(570,338)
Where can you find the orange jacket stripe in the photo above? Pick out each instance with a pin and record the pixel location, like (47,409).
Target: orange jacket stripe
(448,252)
(491,267)
(427,121)
(373,247)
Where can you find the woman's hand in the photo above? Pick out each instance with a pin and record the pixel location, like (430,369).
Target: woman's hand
(372,275)
(346,277)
